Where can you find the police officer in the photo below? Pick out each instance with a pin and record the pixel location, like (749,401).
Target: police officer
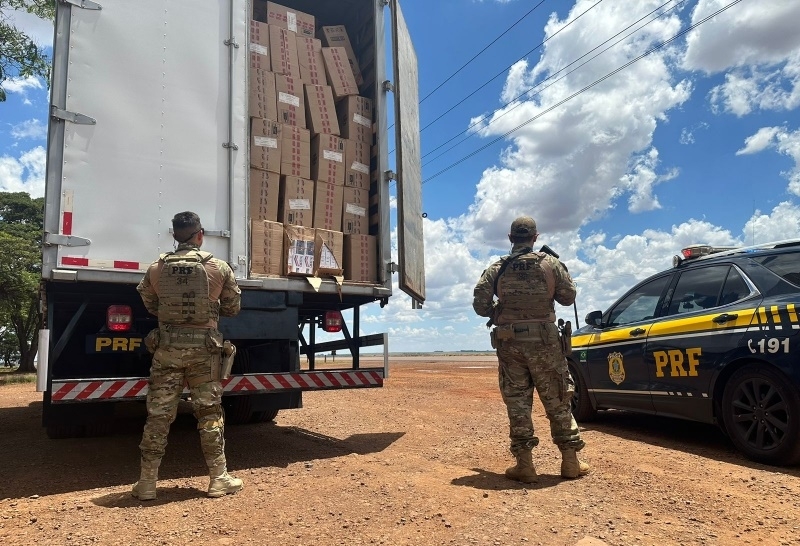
(188,290)
(528,348)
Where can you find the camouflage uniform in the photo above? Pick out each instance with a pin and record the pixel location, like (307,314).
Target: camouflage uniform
(533,358)
(188,354)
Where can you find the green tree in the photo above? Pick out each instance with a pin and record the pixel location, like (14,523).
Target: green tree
(19,54)
(21,220)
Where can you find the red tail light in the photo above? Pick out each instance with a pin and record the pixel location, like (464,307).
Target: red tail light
(119,318)
(333,321)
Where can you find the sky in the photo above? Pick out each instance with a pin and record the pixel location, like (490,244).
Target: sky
(627,130)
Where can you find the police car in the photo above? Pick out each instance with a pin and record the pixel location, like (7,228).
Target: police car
(715,339)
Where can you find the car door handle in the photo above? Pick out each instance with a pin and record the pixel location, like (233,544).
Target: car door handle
(637,331)
(724,317)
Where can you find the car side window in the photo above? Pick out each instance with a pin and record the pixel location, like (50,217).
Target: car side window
(639,305)
(735,288)
(698,289)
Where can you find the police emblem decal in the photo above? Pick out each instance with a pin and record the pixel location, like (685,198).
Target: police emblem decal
(616,371)
(583,356)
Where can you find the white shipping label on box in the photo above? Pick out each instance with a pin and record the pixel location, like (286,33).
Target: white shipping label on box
(289,99)
(291,21)
(258,48)
(360,167)
(354,209)
(361,120)
(299,204)
(326,259)
(301,257)
(330,155)
(266,142)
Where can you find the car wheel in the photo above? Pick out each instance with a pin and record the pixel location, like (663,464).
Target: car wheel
(762,415)
(582,408)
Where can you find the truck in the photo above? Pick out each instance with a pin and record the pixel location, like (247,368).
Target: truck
(149,116)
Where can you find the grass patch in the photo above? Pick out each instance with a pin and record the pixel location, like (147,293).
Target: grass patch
(10,378)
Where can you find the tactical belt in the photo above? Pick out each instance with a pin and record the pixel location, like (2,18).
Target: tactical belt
(520,330)
(185,336)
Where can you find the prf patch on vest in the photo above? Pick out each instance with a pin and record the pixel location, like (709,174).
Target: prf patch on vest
(183,292)
(526,289)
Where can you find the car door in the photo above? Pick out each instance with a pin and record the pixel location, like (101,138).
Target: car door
(703,318)
(619,377)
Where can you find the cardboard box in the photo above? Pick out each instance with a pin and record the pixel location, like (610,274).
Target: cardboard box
(355,206)
(259,46)
(261,98)
(283,52)
(356,162)
(336,36)
(327,206)
(296,201)
(265,144)
(264,195)
(328,252)
(290,102)
(266,248)
(361,258)
(355,118)
(299,250)
(320,110)
(309,57)
(327,159)
(337,69)
(295,151)
(295,21)
(357,166)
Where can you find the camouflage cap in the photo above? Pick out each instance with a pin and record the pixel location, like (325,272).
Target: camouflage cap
(524,226)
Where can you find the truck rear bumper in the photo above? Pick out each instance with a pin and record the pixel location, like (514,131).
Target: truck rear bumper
(135,388)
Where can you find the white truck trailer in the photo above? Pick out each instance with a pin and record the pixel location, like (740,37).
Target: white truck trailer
(149,117)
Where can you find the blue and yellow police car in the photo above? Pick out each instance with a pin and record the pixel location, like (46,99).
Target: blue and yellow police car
(715,339)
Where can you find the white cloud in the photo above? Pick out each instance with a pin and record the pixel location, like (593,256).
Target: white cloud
(784,142)
(23,86)
(782,223)
(758,42)
(30,129)
(569,166)
(37,29)
(25,173)
(749,33)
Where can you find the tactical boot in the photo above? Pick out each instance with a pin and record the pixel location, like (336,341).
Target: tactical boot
(145,488)
(222,483)
(571,466)
(523,471)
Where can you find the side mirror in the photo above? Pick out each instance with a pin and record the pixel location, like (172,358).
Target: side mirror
(595,319)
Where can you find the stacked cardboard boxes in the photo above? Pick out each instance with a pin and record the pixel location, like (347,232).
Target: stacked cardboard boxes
(311,141)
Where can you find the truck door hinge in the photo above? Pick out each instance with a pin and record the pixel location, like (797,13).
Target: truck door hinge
(389,175)
(231,42)
(74,117)
(391,267)
(55,239)
(85,4)
(388,86)
(230,145)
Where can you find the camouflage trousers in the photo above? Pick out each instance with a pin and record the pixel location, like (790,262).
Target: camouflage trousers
(537,363)
(172,368)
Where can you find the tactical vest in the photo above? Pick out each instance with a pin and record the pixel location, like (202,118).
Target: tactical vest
(525,290)
(183,292)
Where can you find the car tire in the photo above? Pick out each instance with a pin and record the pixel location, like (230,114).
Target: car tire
(582,409)
(761,413)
